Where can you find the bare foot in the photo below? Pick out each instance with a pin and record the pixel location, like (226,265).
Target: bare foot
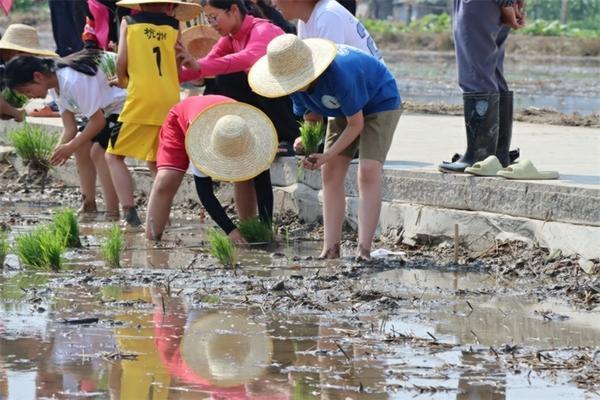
(330,253)
(363,253)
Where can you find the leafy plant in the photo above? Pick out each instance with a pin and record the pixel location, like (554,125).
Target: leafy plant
(256,231)
(13,98)
(112,247)
(34,145)
(311,135)
(3,248)
(221,248)
(108,64)
(65,225)
(41,249)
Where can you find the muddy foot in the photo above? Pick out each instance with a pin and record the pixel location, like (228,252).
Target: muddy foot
(330,253)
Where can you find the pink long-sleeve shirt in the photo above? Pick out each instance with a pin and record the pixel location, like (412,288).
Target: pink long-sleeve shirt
(236,52)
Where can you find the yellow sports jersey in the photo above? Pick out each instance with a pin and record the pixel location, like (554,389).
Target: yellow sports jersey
(153,86)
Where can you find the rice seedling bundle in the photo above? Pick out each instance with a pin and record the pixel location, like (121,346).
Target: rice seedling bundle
(221,248)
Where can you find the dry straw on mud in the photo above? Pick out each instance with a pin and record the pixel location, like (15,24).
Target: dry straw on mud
(34,145)
(66,226)
(112,247)
(41,249)
(221,248)
(256,231)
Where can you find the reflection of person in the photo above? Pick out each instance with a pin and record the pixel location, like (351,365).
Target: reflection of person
(480,32)
(147,67)
(79,86)
(361,93)
(233,142)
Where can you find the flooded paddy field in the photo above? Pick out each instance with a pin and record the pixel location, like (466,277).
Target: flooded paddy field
(171,323)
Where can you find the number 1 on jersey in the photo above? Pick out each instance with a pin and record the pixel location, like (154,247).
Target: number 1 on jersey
(156,51)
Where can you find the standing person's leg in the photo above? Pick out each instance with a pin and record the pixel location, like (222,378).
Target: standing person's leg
(280,112)
(506,103)
(375,142)
(477,26)
(164,188)
(87,178)
(264,196)
(244,197)
(68,21)
(123,183)
(111,199)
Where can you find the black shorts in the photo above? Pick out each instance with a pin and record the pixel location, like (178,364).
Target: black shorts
(111,129)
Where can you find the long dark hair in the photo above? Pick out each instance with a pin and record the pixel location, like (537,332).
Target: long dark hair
(245,6)
(19,71)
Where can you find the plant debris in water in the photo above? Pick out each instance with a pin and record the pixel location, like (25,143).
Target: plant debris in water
(221,248)
(66,226)
(112,247)
(256,231)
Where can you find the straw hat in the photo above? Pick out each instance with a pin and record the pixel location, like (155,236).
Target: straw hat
(231,142)
(226,349)
(23,38)
(199,39)
(183,12)
(290,64)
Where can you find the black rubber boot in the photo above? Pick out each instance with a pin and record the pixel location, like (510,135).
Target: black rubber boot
(481,122)
(505,128)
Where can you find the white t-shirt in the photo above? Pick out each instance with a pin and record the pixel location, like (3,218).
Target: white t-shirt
(83,94)
(330,20)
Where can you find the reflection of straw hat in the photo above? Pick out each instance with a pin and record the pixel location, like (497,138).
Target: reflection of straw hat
(231,142)
(226,349)
(183,12)
(290,64)
(23,38)
(199,39)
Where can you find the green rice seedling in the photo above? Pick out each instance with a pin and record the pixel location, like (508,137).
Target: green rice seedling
(311,135)
(34,145)
(221,248)
(41,249)
(65,225)
(13,98)
(256,231)
(108,64)
(4,247)
(112,247)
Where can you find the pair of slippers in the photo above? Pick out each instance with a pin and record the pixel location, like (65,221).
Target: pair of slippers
(524,169)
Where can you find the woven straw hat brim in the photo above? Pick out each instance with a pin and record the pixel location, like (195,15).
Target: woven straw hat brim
(184,11)
(257,158)
(297,76)
(23,38)
(200,344)
(199,39)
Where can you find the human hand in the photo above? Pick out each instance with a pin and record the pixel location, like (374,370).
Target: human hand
(185,58)
(315,161)
(61,154)
(510,18)
(298,146)
(236,237)
(520,11)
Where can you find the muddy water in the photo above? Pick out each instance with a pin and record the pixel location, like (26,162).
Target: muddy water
(567,84)
(80,335)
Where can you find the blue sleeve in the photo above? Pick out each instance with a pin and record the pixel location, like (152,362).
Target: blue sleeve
(505,3)
(299,107)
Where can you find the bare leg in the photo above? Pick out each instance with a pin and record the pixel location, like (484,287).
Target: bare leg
(369,204)
(245,199)
(334,203)
(121,178)
(164,188)
(152,167)
(87,177)
(111,199)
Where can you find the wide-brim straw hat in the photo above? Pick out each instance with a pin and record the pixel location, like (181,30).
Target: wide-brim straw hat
(199,39)
(183,12)
(227,350)
(24,38)
(290,64)
(231,142)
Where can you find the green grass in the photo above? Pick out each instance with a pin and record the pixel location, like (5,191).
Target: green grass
(13,98)
(221,248)
(311,135)
(112,247)
(34,145)
(256,231)
(4,247)
(41,249)
(65,225)
(108,64)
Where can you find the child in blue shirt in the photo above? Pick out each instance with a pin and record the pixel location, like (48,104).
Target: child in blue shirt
(361,94)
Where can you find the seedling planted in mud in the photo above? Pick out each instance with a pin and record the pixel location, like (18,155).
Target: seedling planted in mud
(41,249)
(65,225)
(221,248)
(256,231)
(311,134)
(34,145)
(112,247)
(3,248)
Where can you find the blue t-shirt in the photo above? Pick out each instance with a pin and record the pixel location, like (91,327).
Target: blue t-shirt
(354,81)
